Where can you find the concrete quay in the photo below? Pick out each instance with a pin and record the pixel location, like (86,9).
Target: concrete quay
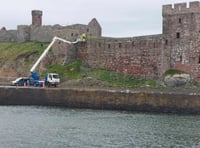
(126,100)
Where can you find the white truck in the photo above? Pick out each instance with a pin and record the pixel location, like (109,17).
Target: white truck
(51,79)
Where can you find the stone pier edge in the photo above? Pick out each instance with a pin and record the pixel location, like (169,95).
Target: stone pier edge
(125,100)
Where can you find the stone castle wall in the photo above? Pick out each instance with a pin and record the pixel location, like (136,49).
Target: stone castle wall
(150,56)
(178,47)
(139,56)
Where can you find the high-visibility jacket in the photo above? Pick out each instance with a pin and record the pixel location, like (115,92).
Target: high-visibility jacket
(84,37)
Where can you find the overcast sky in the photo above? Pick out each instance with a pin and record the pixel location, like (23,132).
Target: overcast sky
(118,18)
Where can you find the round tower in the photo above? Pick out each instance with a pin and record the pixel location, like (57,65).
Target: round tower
(36,18)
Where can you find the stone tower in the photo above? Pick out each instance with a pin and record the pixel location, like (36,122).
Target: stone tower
(181,32)
(36,18)
(95,28)
(181,22)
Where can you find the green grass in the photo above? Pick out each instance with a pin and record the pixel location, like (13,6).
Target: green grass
(122,80)
(71,71)
(112,79)
(27,52)
(11,50)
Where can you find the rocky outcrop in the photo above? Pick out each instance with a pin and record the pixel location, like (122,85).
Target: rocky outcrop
(177,80)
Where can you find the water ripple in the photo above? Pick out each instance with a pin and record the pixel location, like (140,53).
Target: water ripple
(43,127)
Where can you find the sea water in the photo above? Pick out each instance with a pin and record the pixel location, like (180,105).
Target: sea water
(42,127)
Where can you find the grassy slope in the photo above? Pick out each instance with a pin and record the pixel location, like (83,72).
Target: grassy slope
(80,70)
(11,50)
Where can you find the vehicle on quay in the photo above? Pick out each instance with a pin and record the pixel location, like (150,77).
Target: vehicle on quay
(21,81)
(26,81)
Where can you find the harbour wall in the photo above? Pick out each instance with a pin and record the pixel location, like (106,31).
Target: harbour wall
(127,100)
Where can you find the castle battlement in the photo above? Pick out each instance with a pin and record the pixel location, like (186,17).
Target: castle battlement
(178,8)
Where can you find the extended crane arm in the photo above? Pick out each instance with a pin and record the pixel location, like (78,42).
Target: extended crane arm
(47,50)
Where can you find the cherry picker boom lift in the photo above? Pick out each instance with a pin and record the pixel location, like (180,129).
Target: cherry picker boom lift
(51,79)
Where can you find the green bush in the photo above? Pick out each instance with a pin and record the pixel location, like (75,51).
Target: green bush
(173,72)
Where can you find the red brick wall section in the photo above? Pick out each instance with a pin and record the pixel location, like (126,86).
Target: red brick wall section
(135,56)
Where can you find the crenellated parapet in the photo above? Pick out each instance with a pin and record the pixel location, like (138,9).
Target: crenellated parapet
(181,8)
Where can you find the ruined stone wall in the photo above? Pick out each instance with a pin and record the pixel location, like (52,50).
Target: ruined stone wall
(8,35)
(194,58)
(186,57)
(42,34)
(65,52)
(68,34)
(61,53)
(79,27)
(37,32)
(23,33)
(139,56)
(94,28)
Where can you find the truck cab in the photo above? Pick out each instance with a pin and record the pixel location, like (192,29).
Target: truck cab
(52,79)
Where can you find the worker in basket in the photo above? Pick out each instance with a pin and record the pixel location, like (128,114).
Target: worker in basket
(84,37)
